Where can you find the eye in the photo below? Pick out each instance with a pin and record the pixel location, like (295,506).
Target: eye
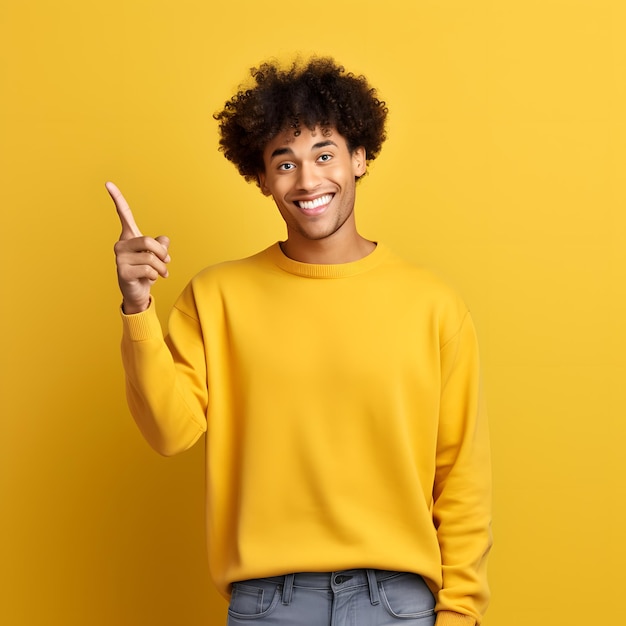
(324,158)
(286,167)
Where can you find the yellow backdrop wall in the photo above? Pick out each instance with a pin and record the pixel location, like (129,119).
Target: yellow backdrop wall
(504,172)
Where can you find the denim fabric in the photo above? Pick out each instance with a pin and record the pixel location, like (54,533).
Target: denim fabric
(347,598)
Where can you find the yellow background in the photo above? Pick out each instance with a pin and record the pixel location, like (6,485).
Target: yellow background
(504,172)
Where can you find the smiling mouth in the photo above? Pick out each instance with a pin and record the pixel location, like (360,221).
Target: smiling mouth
(309,205)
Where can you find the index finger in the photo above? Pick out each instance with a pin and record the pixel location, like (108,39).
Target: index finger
(129,226)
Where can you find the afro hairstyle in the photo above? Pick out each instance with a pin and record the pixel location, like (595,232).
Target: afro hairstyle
(316,93)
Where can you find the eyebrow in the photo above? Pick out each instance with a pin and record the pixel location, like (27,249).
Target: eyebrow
(316,146)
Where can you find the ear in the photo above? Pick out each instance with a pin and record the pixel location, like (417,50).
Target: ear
(359,163)
(264,189)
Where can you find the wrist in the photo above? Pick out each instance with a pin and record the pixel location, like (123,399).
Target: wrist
(132,308)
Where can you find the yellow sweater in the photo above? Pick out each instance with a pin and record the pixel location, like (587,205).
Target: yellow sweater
(342,415)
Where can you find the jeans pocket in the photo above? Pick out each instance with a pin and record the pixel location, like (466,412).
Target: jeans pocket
(407,596)
(253,599)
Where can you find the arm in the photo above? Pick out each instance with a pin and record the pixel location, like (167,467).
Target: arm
(165,378)
(462,490)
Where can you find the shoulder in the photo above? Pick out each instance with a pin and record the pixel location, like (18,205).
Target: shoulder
(422,288)
(420,281)
(209,284)
(232,274)
(228,270)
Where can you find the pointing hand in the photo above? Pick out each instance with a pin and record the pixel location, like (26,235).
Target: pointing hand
(140,260)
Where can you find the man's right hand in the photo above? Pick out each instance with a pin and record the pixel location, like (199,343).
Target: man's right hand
(140,260)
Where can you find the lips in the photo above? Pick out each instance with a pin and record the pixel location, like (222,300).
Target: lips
(316,203)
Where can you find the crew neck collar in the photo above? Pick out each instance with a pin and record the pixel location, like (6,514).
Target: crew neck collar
(315,270)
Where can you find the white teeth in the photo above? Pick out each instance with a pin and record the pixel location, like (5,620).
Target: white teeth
(313,204)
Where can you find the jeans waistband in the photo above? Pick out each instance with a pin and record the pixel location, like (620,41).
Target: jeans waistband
(335,581)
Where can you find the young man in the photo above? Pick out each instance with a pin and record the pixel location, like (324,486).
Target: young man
(347,455)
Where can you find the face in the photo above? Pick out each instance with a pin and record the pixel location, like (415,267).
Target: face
(311,177)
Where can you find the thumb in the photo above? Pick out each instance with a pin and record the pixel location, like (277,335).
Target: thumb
(165,242)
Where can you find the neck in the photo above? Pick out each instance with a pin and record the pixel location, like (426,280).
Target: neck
(326,252)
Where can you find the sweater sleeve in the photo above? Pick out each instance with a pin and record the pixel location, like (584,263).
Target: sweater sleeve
(462,489)
(165,379)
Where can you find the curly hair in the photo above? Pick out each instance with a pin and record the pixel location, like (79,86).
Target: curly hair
(318,93)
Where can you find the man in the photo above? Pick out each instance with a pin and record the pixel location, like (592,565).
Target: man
(347,456)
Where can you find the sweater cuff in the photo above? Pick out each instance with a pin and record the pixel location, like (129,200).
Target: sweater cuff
(142,326)
(451,618)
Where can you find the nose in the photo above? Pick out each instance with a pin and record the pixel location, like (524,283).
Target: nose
(308,177)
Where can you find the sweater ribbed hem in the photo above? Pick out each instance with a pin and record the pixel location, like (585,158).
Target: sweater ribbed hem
(142,326)
(451,618)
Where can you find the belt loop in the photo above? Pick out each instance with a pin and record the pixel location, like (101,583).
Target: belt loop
(288,588)
(373,585)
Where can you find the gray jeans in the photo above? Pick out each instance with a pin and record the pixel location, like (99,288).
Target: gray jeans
(357,597)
